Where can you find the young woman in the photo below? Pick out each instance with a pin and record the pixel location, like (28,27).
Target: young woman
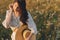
(16,16)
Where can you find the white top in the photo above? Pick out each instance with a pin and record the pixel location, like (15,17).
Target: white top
(12,22)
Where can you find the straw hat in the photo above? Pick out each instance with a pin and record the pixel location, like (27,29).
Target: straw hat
(22,33)
(26,33)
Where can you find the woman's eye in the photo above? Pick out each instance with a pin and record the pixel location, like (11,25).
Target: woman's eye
(17,8)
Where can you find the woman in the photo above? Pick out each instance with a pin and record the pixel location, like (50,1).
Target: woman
(16,16)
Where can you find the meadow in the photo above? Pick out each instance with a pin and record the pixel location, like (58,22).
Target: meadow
(46,14)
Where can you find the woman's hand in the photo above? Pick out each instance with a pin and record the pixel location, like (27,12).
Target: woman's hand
(11,6)
(32,31)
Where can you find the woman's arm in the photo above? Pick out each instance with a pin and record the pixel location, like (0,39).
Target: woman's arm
(7,20)
(31,24)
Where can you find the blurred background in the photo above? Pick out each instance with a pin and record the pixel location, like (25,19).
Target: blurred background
(46,14)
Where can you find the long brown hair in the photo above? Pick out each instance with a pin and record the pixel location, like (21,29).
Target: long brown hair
(24,16)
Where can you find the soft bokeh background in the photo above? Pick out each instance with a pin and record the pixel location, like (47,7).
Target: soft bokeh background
(46,14)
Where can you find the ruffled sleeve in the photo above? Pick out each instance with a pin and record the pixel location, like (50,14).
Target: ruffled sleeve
(7,19)
(31,24)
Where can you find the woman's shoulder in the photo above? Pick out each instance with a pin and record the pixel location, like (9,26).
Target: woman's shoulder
(29,15)
(28,12)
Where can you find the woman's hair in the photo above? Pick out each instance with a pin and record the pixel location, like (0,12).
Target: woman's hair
(24,16)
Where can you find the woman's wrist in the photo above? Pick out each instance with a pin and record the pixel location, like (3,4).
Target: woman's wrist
(10,11)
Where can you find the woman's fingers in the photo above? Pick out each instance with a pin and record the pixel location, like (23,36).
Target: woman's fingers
(10,6)
(32,30)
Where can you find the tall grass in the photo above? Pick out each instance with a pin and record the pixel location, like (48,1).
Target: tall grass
(46,14)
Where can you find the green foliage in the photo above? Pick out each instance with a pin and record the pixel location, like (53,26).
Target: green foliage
(46,14)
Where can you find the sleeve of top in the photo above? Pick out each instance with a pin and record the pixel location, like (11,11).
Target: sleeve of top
(32,24)
(7,19)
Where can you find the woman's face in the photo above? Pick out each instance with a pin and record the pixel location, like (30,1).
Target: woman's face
(17,8)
